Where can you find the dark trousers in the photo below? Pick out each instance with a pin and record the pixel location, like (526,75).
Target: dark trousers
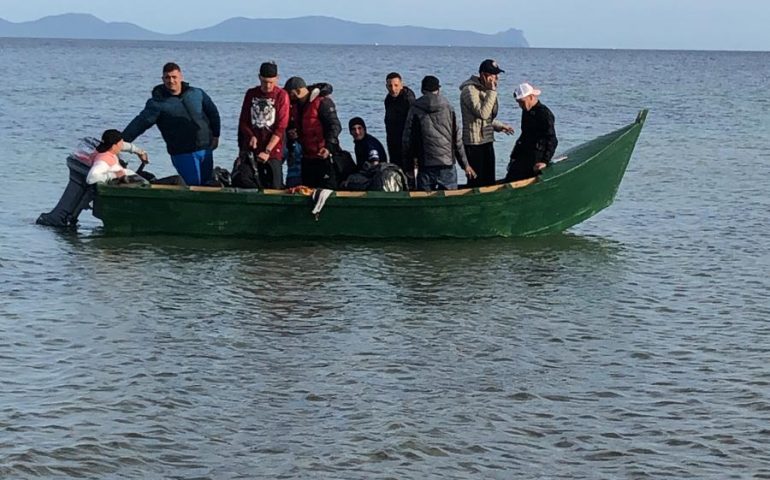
(395,153)
(271,173)
(316,173)
(482,159)
(520,170)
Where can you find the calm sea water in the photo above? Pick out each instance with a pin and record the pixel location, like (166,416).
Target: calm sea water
(633,346)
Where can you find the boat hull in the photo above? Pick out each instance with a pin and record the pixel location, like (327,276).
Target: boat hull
(566,194)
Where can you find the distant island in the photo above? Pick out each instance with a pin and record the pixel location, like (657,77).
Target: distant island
(312,29)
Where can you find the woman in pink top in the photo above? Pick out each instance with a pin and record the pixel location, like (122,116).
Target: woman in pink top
(106,165)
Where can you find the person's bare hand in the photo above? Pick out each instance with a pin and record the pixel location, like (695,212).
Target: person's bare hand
(253,143)
(143,157)
(470,172)
(490,82)
(324,153)
(263,157)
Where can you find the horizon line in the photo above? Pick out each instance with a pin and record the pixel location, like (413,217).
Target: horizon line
(621,49)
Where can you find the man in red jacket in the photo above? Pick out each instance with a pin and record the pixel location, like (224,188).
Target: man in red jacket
(315,118)
(263,121)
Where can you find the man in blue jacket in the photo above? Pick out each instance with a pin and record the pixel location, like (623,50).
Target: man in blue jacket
(187,119)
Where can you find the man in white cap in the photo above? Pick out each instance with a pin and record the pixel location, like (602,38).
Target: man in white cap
(537,143)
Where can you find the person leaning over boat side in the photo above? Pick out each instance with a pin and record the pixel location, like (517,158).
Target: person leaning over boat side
(397,103)
(187,119)
(369,151)
(479,105)
(537,142)
(432,137)
(105,164)
(318,129)
(262,124)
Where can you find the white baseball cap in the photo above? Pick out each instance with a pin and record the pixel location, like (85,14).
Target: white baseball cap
(525,90)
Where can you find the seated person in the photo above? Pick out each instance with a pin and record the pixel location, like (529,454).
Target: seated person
(106,164)
(369,151)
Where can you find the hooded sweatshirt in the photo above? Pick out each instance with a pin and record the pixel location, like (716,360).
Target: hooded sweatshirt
(432,135)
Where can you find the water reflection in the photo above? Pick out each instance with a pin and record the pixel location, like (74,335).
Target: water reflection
(297,286)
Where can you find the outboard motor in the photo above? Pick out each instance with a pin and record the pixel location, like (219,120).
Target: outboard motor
(78,194)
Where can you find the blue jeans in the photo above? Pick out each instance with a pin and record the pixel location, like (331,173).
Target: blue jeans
(437,178)
(195,167)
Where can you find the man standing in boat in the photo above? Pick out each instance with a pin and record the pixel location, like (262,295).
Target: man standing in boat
(432,137)
(263,121)
(479,104)
(187,119)
(397,103)
(537,143)
(318,128)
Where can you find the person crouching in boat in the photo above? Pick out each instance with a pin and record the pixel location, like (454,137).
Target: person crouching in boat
(318,129)
(537,143)
(105,164)
(369,150)
(432,137)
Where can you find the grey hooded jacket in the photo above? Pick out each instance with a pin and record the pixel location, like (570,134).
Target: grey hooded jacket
(431,133)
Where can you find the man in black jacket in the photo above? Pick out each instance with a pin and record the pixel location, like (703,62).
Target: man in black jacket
(537,143)
(397,104)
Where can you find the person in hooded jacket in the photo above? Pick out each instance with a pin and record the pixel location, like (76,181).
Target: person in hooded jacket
(314,116)
(479,104)
(432,137)
(187,119)
(368,150)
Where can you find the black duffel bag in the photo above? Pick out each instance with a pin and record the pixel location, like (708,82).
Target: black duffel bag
(343,166)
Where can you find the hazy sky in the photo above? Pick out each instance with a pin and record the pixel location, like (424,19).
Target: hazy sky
(667,24)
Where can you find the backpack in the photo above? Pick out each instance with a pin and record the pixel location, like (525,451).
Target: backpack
(388,177)
(245,174)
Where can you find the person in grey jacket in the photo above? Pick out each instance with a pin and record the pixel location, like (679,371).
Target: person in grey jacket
(479,104)
(432,137)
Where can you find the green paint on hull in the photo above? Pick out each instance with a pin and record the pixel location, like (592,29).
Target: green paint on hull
(567,193)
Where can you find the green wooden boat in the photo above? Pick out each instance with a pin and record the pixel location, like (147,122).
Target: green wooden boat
(568,192)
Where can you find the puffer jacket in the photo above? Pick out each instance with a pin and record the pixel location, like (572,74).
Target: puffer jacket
(317,122)
(479,110)
(431,134)
(188,122)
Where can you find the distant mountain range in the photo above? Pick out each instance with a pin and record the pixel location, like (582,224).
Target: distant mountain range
(317,29)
